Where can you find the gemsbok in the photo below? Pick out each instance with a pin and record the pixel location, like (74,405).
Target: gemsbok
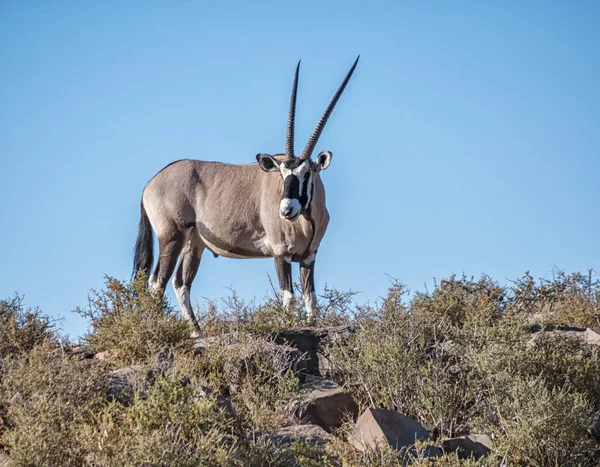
(271,209)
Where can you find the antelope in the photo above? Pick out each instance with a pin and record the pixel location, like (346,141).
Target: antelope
(273,208)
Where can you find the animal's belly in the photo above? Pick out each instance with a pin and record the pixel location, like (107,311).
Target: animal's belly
(239,248)
(236,253)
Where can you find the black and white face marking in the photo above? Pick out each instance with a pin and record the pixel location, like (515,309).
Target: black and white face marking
(297,177)
(297,187)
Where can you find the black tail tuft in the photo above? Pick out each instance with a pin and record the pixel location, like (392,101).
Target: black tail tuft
(144,246)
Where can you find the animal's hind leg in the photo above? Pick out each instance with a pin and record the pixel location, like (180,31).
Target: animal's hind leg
(186,272)
(169,249)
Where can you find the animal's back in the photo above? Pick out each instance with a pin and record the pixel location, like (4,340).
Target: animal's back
(189,191)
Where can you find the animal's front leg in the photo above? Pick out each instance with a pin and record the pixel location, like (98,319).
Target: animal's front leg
(283,266)
(307,280)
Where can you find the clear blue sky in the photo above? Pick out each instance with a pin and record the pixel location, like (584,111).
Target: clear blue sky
(467,141)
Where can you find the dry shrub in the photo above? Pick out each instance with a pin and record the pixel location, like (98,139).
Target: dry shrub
(54,408)
(50,399)
(133,323)
(171,424)
(563,300)
(21,329)
(234,316)
(259,379)
(539,426)
(348,456)
(180,421)
(238,317)
(58,414)
(457,360)
(264,397)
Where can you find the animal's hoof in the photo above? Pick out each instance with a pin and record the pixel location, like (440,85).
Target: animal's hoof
(196,333)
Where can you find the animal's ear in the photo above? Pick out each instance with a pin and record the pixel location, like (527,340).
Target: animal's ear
(267,162)
(324,159)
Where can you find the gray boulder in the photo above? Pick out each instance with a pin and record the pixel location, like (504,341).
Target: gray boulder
(325,403)
(80,352)
(378,427)
(316,344)
(244,358)
(590,336)
(595,430)
(475,445)
(125,382)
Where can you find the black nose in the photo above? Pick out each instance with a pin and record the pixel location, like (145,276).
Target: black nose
(287,212)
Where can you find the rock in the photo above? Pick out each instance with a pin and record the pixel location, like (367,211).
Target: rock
(378,427)
(248,347)
(590,336)
(315,343)
(80,352)
(222,402)
(123,383)
(163,361)
(595,430)
(223,340)
(105,356)
(543,317)
(241,359)
(308,433)
(476,446)
(202,343)
(324,403)
(294,359)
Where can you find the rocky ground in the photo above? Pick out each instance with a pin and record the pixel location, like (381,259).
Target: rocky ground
(322,406)
(471,374)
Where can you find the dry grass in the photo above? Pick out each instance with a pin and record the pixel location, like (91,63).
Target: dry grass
(133,323)
(22,328)
(455,359)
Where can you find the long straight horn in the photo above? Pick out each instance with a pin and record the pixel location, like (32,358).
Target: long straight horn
(312,142)
(289,139)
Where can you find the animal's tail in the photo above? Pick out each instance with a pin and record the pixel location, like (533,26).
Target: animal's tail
(144,246)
